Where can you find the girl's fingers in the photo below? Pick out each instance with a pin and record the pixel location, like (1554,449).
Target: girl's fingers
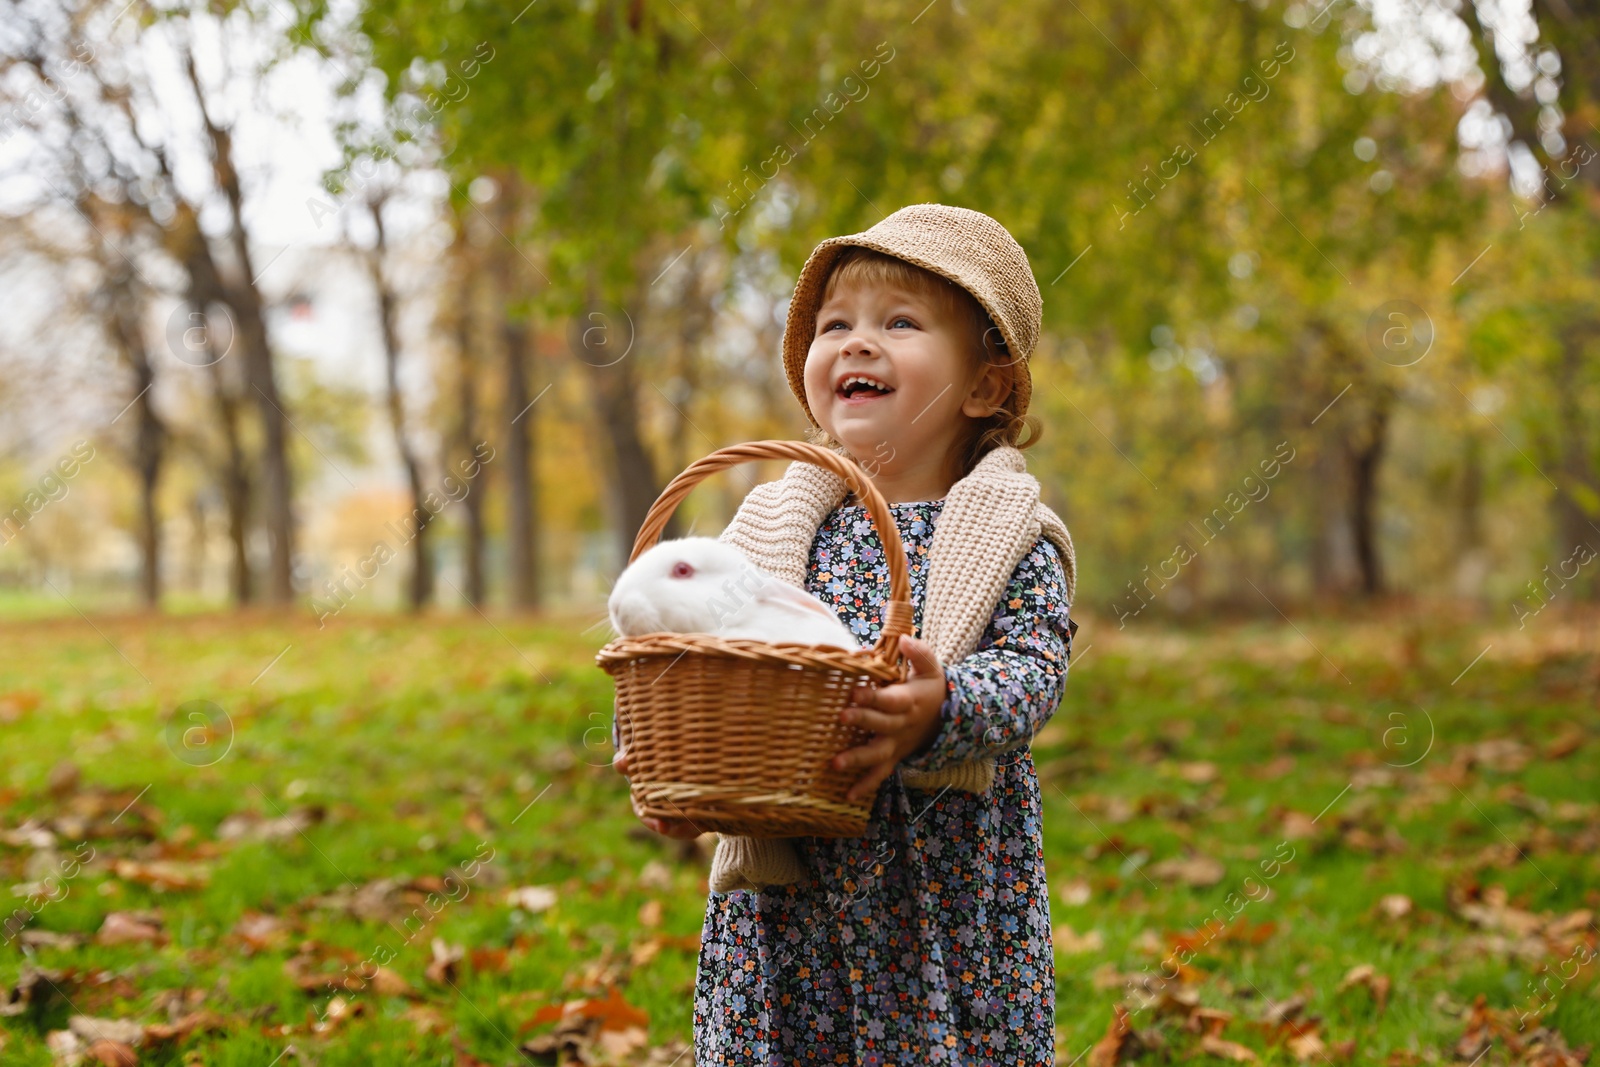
(875,751)
(869,783)
(876,721)
(921,657)
(619,762)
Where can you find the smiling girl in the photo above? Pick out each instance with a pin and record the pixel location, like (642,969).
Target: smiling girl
(927,940)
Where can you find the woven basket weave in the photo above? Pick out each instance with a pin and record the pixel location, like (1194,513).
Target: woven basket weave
(737,735)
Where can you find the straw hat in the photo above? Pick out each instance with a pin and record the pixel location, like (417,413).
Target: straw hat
(967,247)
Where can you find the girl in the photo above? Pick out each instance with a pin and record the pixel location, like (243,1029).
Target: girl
(928,939)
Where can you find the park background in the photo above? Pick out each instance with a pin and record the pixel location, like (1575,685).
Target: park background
(292,776)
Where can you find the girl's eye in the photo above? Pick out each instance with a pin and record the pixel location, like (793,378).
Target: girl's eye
(836,322)
(895,323)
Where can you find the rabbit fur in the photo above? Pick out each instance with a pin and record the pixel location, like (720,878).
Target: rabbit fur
(700,585)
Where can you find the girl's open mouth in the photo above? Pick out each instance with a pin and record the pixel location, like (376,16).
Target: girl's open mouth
(861,388)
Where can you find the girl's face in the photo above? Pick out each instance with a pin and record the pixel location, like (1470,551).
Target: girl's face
(892,377)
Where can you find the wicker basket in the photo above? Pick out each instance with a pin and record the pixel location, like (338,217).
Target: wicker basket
(737,735)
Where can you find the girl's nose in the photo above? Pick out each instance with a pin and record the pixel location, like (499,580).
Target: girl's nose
(857,345)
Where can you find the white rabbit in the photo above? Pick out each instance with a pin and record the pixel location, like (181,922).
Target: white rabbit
(701,586)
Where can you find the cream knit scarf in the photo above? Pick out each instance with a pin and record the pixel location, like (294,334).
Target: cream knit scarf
(991,519)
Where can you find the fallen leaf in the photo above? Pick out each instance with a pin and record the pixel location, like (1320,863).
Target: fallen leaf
(131,928)
(618,1044)
(50,939)
(1395,905)
(650,914)
(1198,772)
(1566,743)
(613,1012)
(34,989)
(387,983)
(1069,943)
(1377,984)
(65,1048)
(532,898)
(63,778)
(195,1021)
(1280,1012)
(655,875)
(1227,1050)
(261,932)
(1191,870)
(123,1031)
(1075,893)
(1298,826)
(249,825)
(442,967)
(163,874)
(110,1053)
(496,960)
(1307,1046)
(1107,1052)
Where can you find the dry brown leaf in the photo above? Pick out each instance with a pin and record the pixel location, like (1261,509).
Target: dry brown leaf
(176,1031)
(1190,870)
(1227,1050)
(260,932)
(1198,772)
(87,1028)
(1281,1011)
(442,967)
(132,928)
(1208,1021)
(1565,744)
(650,914)
(1107,1052)
(495,960)
(1395,905)
(655,875)
(1070,943)
(110,1053)
(163,874)
(1075,893)
(613,1012)
(427,1018)
(532,898)
(387,983)
(1307,1046)
(1297,825)
(619,1044)
(1377,984)
(65,1048)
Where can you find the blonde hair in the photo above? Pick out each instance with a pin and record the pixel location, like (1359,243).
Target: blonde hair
(1006,426)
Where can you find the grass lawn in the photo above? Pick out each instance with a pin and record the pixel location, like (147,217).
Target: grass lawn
(1346,840)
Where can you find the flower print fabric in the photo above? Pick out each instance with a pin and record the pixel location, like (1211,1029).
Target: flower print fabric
(927,940)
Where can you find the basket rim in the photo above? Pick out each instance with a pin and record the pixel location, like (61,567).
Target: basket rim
(898,614)
(860,661)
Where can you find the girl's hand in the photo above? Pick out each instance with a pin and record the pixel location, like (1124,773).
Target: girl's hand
(905,718)
(682,829)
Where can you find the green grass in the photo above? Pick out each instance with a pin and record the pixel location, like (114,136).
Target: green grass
(414,745)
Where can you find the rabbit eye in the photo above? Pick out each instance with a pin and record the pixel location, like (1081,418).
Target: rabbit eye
(682,570)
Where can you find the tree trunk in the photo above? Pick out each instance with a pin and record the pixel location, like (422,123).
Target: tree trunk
(521,503)
(1579,481)
(245,300)
(1364,457)
(235,479)
(149,433)
(633,486)
(466,438)
(420,588)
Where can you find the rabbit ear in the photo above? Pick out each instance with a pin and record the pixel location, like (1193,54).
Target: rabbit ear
(776,592)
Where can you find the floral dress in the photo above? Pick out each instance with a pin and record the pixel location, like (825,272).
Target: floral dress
(928,939)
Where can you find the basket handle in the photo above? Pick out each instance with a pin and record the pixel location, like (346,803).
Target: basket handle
(897,613)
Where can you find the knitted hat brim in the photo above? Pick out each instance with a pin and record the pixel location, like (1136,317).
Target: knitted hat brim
(801,324)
